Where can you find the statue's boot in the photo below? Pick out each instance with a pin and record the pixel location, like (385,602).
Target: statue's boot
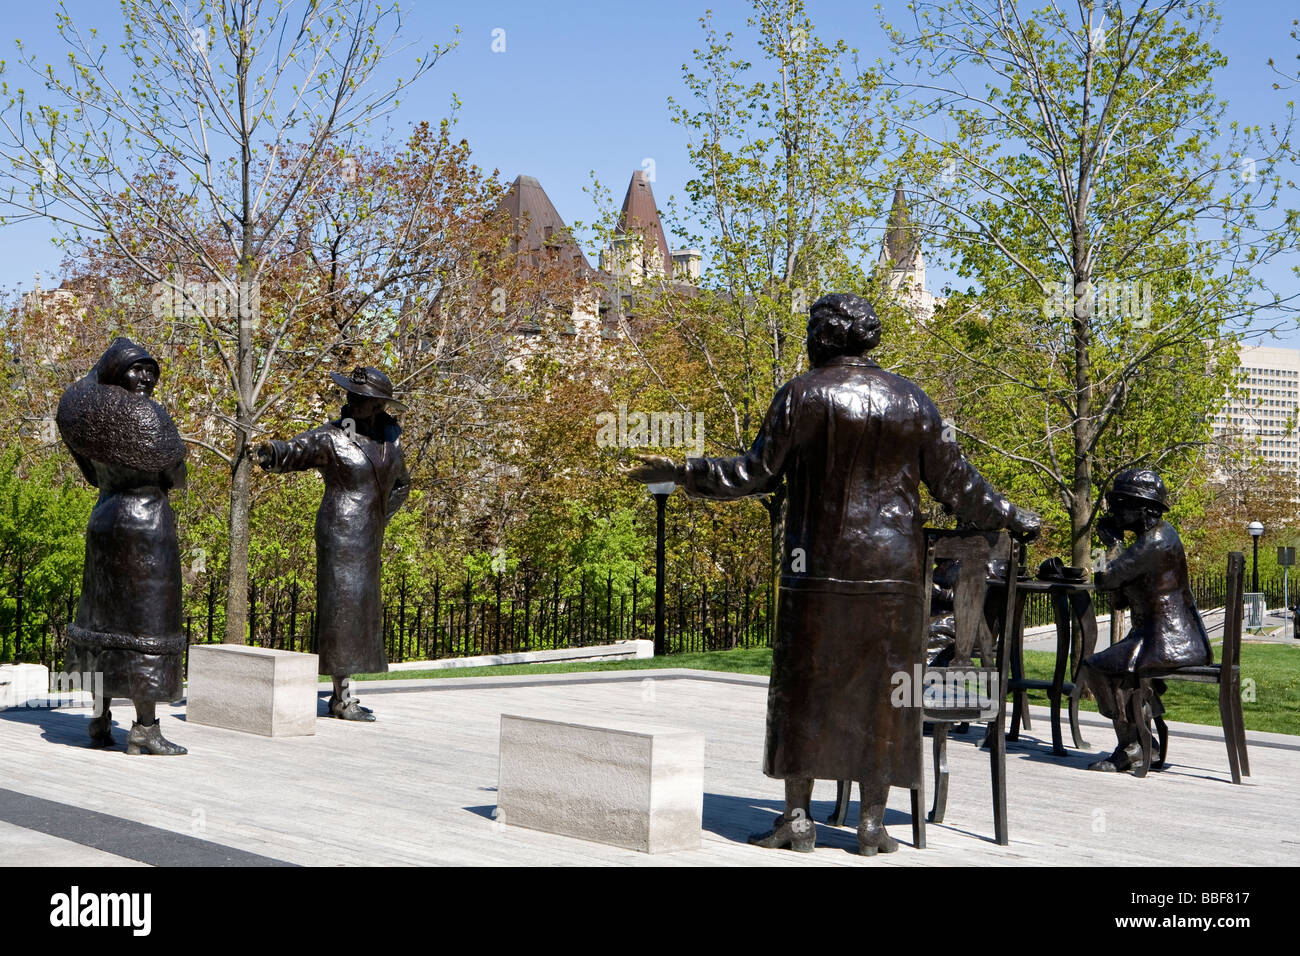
(1129,750)
(873,838)
(349,710)
(148,739)
(1120,760)
(796,833)
(101,729)
(793,829)
(335,699)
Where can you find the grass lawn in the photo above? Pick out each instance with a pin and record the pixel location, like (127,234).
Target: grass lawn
(1274,668)
(757,660)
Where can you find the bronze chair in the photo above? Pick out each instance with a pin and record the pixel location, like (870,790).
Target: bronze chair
(951,701)
(1227,674)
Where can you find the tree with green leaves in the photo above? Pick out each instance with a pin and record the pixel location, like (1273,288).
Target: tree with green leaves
(201,156)
(778,203)
(43,519)
(1111,225)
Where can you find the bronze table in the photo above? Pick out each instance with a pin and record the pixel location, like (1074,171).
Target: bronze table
(1076,639)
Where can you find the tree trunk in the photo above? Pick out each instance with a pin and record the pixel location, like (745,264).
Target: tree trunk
(1081,492)
(241,472)
(237,585)
(1081,517)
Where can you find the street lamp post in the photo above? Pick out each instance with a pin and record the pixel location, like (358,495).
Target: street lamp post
(18,613)
(661,490)
(1256,532)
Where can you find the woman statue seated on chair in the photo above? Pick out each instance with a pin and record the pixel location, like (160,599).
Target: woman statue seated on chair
(1150,578)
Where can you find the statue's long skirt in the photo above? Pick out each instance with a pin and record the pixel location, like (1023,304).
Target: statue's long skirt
(349,635)
(128,625)
(830,710)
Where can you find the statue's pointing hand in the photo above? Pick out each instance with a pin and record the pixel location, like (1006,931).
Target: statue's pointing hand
(1025,526)
(652,469)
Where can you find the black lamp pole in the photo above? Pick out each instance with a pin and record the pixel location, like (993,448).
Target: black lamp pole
(18,613)
(1254,571)
(661,502)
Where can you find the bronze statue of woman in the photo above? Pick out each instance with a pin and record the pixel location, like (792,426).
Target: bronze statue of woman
(128,624)
(1149,577)
(359,455)
(853,445)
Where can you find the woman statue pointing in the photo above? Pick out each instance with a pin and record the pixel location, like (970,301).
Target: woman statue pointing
(359,455)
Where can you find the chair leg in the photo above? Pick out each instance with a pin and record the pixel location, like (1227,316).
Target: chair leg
(940,773)
(998,775)
(1242,759)
(1058,746)
(1229,715)
(1137,714)
(843,794)
(1061,612)
(918,817)
(1163,730)
(1079,742)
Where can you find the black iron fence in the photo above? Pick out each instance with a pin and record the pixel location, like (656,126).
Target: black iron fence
(468,616)
(496,614)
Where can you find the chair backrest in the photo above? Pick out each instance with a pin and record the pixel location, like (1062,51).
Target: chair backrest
(972,550)
(1233,610)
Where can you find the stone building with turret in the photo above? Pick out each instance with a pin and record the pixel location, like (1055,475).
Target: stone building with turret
(901,254)
(637,260)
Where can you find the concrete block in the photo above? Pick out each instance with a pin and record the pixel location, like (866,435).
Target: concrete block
(20,683)
(623,784)
(620,650)
(253,689)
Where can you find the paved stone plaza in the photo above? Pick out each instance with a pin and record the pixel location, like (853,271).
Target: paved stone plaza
(418,788)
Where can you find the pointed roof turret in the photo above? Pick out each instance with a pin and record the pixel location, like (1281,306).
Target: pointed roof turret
(902,243)
(531,210)
(641,216)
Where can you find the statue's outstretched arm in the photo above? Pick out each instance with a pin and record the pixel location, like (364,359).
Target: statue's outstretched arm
(303,452)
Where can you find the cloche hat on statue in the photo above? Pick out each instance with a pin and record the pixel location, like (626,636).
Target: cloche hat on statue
(1142,484)
(369,382)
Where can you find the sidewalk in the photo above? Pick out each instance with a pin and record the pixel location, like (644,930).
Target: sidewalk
(417,788)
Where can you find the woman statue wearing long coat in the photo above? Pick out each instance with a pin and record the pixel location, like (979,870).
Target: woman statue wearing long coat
(359,455)
(128,624)
(853,444)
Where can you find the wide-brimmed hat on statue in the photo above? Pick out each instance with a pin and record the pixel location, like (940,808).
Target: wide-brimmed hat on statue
(1141,484)
(369,382)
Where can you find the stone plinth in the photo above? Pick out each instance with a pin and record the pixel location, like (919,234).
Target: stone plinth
(253,689)
(626,785)
(20,683)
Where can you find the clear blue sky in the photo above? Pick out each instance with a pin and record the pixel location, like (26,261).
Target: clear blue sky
(583,86)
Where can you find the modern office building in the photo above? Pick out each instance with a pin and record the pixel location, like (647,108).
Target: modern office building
(1266,416)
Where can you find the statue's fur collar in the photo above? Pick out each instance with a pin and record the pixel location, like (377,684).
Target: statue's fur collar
(100,420)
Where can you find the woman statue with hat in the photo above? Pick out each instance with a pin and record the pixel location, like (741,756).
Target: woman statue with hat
(359,455)
(128,624)
(1150,578)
